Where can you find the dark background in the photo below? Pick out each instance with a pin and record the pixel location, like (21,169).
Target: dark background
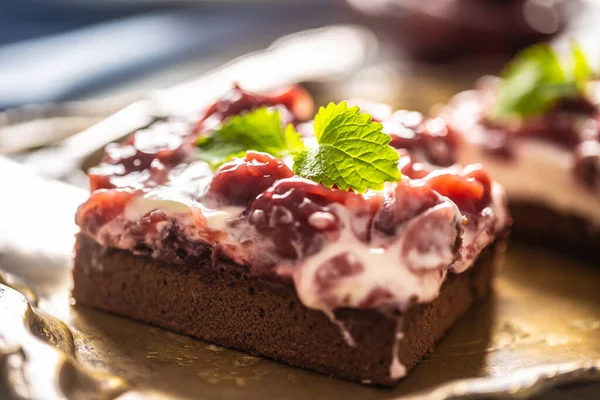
(70,49)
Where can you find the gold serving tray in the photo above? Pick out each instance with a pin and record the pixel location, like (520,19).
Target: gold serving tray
(539,329)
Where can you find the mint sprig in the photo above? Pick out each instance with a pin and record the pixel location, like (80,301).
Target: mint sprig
(537,79)
(352,152)
(258,130)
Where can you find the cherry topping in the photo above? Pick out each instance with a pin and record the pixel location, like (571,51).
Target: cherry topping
(142,160)
(401,203)
(298,215)
(241,180)
(587,163)
(435,232)
(431,137)
(149,223)
(341,266)
(103,206)
(294,98)
(294,213)
(378,296)
(470,191)
(411,168)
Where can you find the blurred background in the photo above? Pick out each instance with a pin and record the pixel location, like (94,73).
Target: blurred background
(57,50)
(66,64)
(61,50)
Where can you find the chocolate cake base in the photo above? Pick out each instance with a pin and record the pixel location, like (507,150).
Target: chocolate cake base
(223,304)
(537,224)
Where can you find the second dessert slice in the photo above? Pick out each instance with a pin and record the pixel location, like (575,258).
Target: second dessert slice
(537,130)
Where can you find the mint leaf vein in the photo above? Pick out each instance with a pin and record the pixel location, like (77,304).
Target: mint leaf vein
(353,152)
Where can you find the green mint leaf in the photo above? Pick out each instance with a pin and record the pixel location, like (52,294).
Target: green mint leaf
(325,115)
(582,71)
(259,130)
(293,140)
(352,151)
(537,79)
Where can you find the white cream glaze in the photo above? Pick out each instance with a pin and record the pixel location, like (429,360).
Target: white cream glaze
(397,370)
(383,267)
(182,195)
(175,204)
(181,200)
(477,234)
(539,172)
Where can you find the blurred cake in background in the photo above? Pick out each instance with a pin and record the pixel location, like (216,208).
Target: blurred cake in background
(440,30)
(537,131)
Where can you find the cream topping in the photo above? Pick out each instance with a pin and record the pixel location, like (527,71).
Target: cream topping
(400,269)
(175,204)
(480,233)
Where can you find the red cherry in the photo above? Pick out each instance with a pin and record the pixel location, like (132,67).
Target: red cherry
(239,182)
(102,207)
